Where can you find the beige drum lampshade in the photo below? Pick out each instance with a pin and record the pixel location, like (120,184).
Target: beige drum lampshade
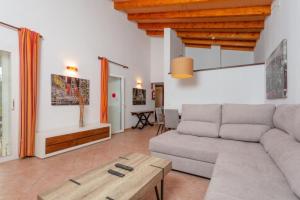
(182,67)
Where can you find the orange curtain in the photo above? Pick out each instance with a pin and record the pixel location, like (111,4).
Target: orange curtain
(29,45)
(104,91)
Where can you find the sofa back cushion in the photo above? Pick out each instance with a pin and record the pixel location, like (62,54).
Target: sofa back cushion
(285,151)
(287,118)
(246,122)
(248,114)
(200,120)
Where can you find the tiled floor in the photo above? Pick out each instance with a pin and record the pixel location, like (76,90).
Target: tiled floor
(24,179)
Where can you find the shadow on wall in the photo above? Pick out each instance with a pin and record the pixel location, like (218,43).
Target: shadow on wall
(189,82)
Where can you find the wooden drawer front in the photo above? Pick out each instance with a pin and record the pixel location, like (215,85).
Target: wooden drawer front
(61,142)
(59,146)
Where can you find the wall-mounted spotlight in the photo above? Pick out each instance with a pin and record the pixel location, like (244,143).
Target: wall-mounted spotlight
(71,71)
(139,84)
(72,68)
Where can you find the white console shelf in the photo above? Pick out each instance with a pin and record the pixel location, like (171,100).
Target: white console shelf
(53,142)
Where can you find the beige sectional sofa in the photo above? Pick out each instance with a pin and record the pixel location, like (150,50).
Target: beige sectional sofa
(250,152)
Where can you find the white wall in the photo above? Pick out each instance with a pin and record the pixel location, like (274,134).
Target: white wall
(204,58)
(173,47)
(76,33)
(157,60)
(283,24)
(237,85)
(232,58)
(215,57)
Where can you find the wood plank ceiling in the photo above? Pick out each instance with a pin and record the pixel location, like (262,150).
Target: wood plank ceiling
(232,24)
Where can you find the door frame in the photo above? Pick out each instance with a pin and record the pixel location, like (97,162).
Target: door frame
(122,102)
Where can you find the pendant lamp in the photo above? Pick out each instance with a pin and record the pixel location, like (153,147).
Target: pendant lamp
(182,68)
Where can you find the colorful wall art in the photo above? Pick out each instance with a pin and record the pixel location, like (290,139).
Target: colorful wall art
(65,90)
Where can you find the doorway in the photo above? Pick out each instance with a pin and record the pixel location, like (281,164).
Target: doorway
(116,103)
(159,95)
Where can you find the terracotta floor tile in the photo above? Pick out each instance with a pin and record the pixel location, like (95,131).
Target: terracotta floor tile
(25,179)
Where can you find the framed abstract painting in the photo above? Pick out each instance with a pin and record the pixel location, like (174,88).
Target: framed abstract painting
(64,90)
(276,73)
(139,96)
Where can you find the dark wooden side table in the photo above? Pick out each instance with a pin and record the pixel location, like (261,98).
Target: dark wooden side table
(143,119)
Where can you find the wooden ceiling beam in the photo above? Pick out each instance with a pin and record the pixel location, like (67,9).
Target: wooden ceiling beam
(155,33)
(209,35)
(233,43)
(219,36)
(205,46)
(211,13)
(237,48)
(222,47)
(146,6)
(250,30)
(133,4)
(231,24)
(197,45)
(204,19)
(204,25)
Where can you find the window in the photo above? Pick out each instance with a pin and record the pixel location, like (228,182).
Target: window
(5,100)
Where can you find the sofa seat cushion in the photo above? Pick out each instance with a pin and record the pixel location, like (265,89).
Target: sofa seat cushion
(199,148)
(204,129)
(285,151)
(248,177)
(243,132)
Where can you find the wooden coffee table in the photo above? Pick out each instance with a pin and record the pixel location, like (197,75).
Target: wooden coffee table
(98,184)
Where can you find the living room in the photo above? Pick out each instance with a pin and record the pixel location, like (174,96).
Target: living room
(142,99)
